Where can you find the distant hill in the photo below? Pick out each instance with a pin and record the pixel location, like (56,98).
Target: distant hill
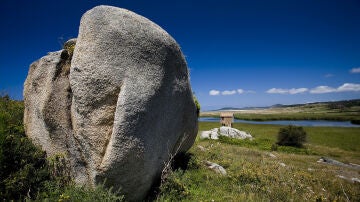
(330,104)
(243,108)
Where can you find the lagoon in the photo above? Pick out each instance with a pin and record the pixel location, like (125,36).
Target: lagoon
(288,122)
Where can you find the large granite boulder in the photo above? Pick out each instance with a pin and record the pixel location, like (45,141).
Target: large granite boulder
(124,108)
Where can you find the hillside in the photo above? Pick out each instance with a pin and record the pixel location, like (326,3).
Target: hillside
(347,110)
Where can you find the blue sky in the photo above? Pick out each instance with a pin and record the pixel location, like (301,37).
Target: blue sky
(240,53)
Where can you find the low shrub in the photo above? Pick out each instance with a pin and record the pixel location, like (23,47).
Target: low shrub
(173,188)
(185,161)
(291,136)
(197,104)
(70,47)
(23,166)
(355,121)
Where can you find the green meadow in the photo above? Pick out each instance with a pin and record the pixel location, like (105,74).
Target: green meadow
(253,174)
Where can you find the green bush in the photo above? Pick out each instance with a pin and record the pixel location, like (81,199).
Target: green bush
(197,104)
(11,113)
(185,161)
(291,136)
(173,188)
(23,166)
(355,121)
(70,46)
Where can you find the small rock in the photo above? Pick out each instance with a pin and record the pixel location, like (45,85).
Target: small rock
(272,155)
(310,169)
(355,180)
(342,177)
(309,188)
(357,166)
(282,164)
(349,179)
(215,167)
(338,163)
(201,148)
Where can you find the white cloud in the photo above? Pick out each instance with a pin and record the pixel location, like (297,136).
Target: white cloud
(328,75)
(240,91)
(355,70)
(298,90)
(214,92)
(347,87)
(228,92)
(277,91)
(322,89)
(287,91)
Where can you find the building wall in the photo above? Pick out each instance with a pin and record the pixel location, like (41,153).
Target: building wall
(226,121)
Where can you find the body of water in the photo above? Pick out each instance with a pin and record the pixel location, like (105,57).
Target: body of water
(288,122)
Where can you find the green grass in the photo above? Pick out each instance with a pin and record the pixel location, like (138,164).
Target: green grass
(255,176)
(344,138)
(74,193)
(326,141)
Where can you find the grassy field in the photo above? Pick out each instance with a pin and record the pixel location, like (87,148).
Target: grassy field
(256,170)
(254,175)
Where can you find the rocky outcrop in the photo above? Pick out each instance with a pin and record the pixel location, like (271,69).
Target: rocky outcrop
(210,134)
(234,133)
(224,131)
(124,107)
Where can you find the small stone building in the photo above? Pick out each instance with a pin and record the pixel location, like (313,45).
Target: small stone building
(226,118)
